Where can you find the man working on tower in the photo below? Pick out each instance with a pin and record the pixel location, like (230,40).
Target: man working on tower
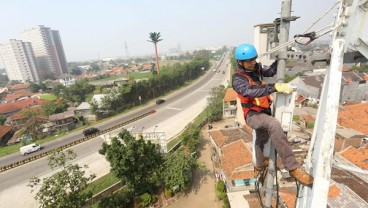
(255,99)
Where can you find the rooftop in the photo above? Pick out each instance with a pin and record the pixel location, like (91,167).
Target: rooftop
(358,157)
(230,95)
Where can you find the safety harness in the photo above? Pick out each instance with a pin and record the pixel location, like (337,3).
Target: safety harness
(256,104)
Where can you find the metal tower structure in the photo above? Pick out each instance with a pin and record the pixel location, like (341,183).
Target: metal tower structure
(126,49)
(347,34)
(349,24)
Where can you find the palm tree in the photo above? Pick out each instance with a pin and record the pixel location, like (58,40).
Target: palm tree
(155,38)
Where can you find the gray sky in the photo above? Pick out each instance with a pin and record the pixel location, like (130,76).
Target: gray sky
(90,28)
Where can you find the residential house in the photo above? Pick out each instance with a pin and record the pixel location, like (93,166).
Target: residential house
(16,87)
(17,95)
(63,121)
(6,132)
(85,110)
(9,109)
(354,117)
(354,87)
(346,137)
(229,103)
(67,80)
(231,150)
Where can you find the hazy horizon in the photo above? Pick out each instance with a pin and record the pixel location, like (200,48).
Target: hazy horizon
(93,30)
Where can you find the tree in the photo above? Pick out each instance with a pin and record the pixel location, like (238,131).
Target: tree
(34,87)
(64,188)
(54,107)
(58,89)
(78,92)
(155,38)
(215,103)
(178,170)
(2,119)
(137,163)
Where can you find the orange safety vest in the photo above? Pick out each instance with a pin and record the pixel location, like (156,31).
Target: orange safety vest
(256,104)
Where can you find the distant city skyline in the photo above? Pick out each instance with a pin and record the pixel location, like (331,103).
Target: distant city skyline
(93,29)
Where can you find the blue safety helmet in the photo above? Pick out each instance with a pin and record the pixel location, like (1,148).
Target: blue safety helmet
(245,51)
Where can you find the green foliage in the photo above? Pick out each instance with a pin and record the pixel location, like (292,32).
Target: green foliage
(154,37)
(57,89)
(215,110)
(220,190)
(137,163)
(226,202)
(34,87)
(169,193)
(64,188)
(191,137)
(120,199)
(289,78)
(54,107)
(178,171)
(78,92)
(296,119)
(310,125)
(171,77)
(360,69)
(2,119)
(147,199)
(3,80)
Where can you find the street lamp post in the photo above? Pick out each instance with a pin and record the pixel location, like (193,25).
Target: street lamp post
(154,131)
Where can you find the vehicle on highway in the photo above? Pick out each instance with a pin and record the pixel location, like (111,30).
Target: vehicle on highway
(214,70)
(159,101)
(223,72)
(30,148)
(90,131)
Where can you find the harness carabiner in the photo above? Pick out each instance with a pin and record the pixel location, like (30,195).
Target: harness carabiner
(312,36)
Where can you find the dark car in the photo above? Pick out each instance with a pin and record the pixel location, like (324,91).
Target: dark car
(90,131)
(160,101)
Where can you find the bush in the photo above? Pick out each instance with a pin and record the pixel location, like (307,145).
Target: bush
(121,198)
(310,125)
(168,193)
(220,190)
(226,202)
(147,199)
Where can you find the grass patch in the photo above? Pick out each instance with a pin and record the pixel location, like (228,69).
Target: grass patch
(48,97)
(139,75)
(102,183)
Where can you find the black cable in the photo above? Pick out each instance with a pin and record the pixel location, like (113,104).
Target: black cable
(277,182)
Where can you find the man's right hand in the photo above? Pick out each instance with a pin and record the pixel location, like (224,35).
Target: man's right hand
(283,88)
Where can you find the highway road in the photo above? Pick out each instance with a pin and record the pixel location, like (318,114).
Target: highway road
(171,117)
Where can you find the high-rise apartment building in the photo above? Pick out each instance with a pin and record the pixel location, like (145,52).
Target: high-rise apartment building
(19,60)
(48,49)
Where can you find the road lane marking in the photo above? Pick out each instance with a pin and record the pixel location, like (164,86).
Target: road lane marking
(178,109)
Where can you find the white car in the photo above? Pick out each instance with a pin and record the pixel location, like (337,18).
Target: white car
(30,148)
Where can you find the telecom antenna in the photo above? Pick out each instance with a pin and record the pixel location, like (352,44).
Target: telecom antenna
(126,49)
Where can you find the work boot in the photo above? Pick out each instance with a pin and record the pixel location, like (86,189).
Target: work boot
(302,177)
(259,168)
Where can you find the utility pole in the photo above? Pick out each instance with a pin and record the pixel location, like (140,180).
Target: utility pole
(281,68)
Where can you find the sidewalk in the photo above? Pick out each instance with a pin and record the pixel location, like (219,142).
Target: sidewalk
(202,192)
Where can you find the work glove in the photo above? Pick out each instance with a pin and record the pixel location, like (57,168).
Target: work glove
(283,88)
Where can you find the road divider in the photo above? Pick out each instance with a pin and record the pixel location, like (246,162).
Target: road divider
(78,141)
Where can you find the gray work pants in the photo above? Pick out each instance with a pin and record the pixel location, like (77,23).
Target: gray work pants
(269,127)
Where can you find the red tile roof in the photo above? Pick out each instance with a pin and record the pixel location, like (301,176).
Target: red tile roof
(236,156)
(18,86)
(16,106)
(4,130)
(230,95)
(333,191)
(354,117)
(288,195)
(18,94)
(358,157)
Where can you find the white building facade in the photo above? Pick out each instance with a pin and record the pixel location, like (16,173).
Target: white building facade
(48,50)
(19,60)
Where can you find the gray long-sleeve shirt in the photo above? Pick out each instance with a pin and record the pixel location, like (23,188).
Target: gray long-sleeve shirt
(241,84)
